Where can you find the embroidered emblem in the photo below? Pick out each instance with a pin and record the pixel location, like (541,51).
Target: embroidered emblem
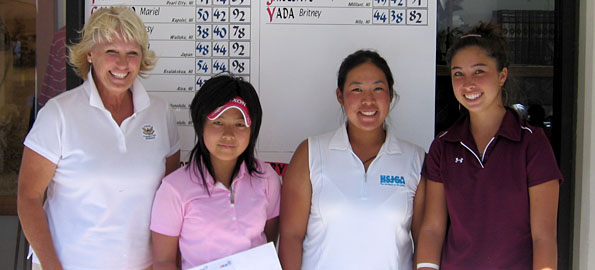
(392,180)
(458,160)
(149,132)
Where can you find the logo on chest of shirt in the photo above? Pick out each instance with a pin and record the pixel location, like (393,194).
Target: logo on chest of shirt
(149,132)
(458,160)
(392,180)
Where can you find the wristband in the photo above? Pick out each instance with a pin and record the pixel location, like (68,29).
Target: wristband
(428,265)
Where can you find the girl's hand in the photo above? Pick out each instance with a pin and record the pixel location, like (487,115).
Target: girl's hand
(165,251)
(543,205)
(296,196)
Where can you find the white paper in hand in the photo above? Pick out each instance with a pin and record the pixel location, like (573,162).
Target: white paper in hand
(263,257)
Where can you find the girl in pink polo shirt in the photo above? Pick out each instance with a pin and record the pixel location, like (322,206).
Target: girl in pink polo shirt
(225,200)
(492,175)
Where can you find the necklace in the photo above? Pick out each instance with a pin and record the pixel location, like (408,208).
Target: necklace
(368,160)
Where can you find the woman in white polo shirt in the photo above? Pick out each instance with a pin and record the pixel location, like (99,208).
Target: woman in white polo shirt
(100,150)
(347,199)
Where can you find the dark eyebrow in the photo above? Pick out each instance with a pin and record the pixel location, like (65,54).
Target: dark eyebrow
(476,65)
(358,83)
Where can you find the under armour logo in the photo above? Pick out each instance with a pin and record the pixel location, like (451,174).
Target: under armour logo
(458,160)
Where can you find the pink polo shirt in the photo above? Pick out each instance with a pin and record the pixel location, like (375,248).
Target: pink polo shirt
(212,227)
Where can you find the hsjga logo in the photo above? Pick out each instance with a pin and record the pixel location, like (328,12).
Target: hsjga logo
(392,180)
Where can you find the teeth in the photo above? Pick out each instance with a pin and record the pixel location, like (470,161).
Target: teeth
(368,113)
(472,96)
(120,75)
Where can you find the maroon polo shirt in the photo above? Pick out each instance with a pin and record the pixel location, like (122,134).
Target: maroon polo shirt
(487,197)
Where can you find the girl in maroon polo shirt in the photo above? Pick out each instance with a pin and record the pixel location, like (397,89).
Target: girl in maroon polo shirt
(491,174)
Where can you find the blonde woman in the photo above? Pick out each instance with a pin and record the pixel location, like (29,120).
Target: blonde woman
(100,150)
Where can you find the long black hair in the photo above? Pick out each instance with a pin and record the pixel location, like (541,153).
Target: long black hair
(214,93)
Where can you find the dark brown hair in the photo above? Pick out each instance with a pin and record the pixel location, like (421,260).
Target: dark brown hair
(487,36)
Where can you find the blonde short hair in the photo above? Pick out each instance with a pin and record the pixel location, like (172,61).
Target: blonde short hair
(103,24)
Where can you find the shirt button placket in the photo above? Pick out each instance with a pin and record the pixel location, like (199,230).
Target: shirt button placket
(233,211)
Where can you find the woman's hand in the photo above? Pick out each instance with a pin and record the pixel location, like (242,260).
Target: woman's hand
(433,228)
(35,175)
(165,251)
(418,209)
(543,205)
(296,196)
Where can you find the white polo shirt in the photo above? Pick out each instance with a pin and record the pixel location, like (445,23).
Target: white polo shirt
(359,219)
(99,201)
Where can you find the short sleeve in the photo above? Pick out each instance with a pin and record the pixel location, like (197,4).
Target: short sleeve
(431,167)
(45,137)
(541,162)
(167,215)
(273,191)
(172,130)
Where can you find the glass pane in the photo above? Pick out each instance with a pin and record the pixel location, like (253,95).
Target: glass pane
(17,91)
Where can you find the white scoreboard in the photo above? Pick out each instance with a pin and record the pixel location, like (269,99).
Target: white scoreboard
(290,50)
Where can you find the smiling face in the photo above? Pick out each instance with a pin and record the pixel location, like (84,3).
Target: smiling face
(476,81)
(226,137)
(365,97)
(115,64)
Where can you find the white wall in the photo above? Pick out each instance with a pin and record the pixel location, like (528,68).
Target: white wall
(584,223)
(60,13)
